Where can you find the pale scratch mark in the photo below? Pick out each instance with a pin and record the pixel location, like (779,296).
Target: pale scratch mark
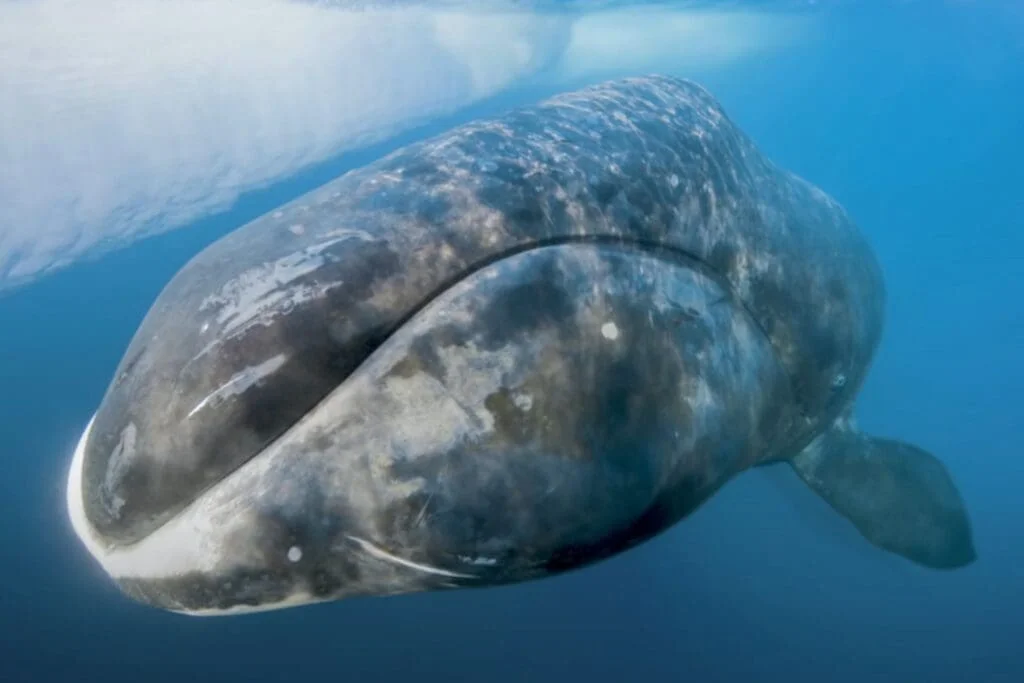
(382,554)
(423,510)
(242,381)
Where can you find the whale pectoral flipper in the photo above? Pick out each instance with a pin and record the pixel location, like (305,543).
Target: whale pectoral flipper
(900,497)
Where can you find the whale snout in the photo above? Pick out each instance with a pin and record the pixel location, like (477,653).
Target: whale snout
(228,358)
(546,411)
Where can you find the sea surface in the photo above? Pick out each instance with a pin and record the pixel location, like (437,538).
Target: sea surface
(119,161)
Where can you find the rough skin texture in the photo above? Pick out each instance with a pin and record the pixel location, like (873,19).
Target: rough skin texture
(380,337)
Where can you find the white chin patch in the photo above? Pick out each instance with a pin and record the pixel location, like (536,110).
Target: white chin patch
(189,542)
(76,506)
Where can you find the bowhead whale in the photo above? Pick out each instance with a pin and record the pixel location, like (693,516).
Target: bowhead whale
(509,351)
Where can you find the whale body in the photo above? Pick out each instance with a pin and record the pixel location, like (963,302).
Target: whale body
(506,352)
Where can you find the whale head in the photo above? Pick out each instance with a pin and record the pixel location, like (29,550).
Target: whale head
(307,429)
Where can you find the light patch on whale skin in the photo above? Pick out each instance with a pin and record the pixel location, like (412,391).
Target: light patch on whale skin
(261,293)
(751,266)
(419,414)
(474,221)
(297,598)
(191,541)
(122,454)
(747,342)
(704,406)
(241,382)
(473,373)
(432,419)
(523,401)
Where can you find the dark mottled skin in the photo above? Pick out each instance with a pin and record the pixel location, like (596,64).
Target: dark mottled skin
(647,167)
(433,454)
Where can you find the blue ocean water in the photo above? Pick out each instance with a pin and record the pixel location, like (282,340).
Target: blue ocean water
(909,114)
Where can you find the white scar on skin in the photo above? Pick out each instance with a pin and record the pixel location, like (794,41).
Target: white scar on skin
(381,554)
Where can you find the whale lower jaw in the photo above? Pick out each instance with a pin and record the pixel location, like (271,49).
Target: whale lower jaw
(167,553)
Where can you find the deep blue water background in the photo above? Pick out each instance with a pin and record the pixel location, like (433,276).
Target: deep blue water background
(912,118)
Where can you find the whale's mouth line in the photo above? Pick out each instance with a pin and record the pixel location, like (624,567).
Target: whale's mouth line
(661,250)
(665,252)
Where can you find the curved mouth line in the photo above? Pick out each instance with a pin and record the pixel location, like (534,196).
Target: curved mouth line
(665,252)
(662,251)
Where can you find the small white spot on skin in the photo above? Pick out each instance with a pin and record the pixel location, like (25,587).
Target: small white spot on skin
(673,180)
(523,401)
(204,328)
(297,229)
(610,331)
(294,553)
(278,214)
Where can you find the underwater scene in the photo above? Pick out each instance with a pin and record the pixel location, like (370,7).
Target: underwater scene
(511,340)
